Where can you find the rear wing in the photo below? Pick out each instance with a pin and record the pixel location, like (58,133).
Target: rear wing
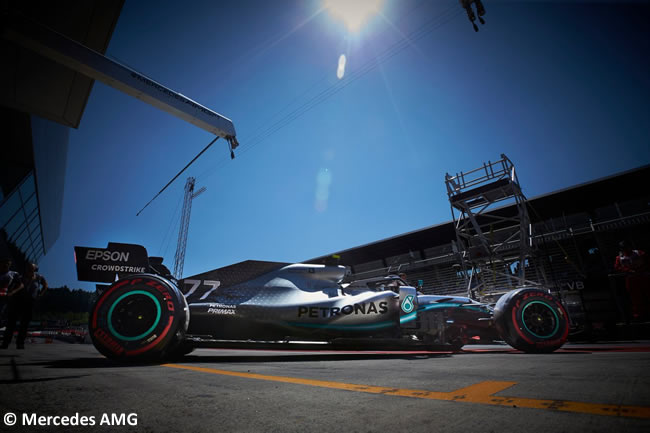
(105,265)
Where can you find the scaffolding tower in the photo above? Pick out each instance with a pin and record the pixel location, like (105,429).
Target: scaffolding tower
(179,257)
(493,243)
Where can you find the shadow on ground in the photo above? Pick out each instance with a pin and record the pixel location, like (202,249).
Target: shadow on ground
(100,362)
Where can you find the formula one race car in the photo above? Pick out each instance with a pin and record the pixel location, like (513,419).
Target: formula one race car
(147,315)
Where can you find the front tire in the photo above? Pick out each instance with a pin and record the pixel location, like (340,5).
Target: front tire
(531,320)
(141,318)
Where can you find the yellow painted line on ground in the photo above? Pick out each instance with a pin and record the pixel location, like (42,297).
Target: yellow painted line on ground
(482,393)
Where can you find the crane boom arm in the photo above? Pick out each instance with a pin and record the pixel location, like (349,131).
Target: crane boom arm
(78,57)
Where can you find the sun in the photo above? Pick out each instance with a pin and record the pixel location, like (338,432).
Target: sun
(353,12)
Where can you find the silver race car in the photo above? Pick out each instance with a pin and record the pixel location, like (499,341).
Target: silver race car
(147,315)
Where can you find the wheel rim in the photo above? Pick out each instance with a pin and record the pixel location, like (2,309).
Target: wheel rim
(540,319)
(134,315)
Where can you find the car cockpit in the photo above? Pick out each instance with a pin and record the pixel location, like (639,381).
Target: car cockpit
(376,284)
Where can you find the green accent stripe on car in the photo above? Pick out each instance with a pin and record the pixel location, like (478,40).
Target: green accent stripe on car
(450,305)
(408,317)
(144,334)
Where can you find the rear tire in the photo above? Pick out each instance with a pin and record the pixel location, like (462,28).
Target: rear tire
(141,318)
(531,320)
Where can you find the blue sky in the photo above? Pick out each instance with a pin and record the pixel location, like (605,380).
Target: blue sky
(560,87)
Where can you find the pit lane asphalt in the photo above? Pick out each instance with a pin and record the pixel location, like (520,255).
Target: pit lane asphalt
(487,388)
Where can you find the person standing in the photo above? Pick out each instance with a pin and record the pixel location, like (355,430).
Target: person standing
(21,303)
(9,281)
(634,264)
(8,278)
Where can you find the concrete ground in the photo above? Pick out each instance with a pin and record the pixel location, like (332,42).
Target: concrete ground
(589,387)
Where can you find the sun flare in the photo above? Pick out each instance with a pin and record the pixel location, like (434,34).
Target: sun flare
(353,13)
